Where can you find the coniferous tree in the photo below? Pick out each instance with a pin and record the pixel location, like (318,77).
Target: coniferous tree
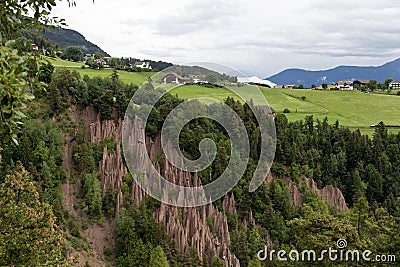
(28,233)
(158,258)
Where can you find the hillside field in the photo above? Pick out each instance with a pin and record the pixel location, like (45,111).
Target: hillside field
(58,62)
(353,109)
(128,77)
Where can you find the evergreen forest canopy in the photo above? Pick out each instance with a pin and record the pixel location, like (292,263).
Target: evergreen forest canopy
(36,228)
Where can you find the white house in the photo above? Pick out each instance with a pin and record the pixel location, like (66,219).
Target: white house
(173,78)
(344,85)
(198,79)
(100,61)
(142,65)
(394,84)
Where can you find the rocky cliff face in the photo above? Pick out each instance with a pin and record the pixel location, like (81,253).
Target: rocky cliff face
(330,194)
(206,228)
(111,166)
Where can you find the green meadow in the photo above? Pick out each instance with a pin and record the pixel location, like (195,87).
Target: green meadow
(353,109)
(127,77)
(58,62)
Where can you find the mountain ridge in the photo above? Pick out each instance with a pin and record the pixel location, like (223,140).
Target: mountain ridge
(68,37)
(299,76)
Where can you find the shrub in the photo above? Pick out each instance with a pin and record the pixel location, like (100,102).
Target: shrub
(107,253)
(92,193)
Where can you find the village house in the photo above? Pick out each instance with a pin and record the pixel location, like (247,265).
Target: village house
(289,86)
(198,79)
(358,84)
(101,61)
(142,65)
(394,85)
(173,78)
(278,86)
(344,85)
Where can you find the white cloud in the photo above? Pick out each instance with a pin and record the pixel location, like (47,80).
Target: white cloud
(259,37)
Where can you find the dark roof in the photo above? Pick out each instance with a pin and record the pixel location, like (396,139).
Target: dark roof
(343,82)
(362,81)
(176,75)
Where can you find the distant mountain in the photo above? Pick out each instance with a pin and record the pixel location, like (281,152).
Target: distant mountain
(67,37)
(308,78)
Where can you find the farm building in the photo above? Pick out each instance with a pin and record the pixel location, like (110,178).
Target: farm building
(100,61)
(289,86)
(198,78)
(142,65)
(173,78)
(344,85)
(394,84)
(358,84)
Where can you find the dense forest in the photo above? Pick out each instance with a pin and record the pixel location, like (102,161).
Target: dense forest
(37,229)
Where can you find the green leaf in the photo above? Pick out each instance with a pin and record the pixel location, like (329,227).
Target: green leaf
(7,139)
(10,43)
(29,96)
(20,114)
(15,141)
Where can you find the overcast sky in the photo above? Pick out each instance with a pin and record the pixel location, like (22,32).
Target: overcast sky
(259,37)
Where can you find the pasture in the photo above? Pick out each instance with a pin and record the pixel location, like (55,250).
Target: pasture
(128,77)
(58,63)
(353,109)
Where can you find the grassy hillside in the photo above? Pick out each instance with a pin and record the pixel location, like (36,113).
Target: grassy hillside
(128,77)
(353,109)
(58,62)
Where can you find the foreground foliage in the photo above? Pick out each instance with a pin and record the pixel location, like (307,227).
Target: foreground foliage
(29,235)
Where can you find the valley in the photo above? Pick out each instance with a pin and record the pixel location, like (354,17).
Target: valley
(88,178)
